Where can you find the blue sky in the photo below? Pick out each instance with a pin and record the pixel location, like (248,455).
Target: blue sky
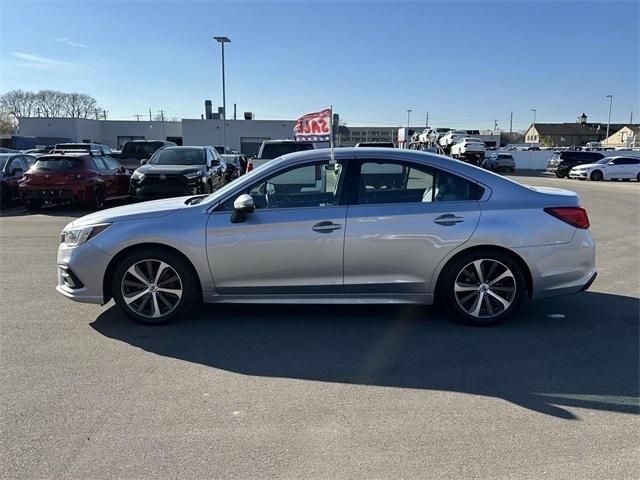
(466,63)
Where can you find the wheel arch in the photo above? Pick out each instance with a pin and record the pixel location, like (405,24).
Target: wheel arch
(113,263)
(528,278)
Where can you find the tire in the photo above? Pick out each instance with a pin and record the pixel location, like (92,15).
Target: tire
(33,205)
(560,175)
(596,175)
(638,177)
(151,302)
(96,202)
(476,302)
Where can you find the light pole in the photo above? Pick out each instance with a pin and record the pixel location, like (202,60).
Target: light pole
(222,41)
(534,117)
(610,97)
(409,117)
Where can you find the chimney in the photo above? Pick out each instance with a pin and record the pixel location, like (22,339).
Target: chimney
(248,115)
(583,119)
(208,109)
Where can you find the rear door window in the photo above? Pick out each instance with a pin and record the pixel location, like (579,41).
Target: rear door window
(98,163)
(389,182)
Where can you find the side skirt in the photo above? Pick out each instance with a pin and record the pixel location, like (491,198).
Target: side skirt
(353,298)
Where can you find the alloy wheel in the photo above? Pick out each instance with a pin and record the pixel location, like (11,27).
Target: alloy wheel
(151,288)
(485,288)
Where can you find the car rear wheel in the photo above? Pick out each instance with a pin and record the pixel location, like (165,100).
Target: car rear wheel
(33,204)
(483,288)
(4,197)
(154,286)
(560,175)
(97,199)
(596,175)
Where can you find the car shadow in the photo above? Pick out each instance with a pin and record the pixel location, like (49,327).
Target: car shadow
(579,351)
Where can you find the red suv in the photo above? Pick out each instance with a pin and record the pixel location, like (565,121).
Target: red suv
(88,178)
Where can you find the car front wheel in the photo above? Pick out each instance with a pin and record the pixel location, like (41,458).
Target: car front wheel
(596,175)
(483,288)
(154,286)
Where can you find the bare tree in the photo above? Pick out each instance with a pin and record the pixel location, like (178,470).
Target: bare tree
(18,103)
(48,103)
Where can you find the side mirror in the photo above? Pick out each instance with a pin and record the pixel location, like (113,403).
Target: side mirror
(242,206)
(144,161)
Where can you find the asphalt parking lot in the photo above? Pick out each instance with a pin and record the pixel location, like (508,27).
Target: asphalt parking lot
(323,392)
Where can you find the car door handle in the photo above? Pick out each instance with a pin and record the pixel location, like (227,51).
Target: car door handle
(448,219)
(325,227)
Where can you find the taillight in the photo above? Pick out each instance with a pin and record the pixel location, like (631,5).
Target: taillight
(249,167)
(574,216)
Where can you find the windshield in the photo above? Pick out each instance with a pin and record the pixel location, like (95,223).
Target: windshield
(603,161)
(178,156)
(61,163)
(275,150)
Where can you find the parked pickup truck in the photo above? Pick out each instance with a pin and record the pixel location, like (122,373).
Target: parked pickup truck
(134,151)
(271,149)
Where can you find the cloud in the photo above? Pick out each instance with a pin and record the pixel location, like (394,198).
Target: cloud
(66,41)
(40,63)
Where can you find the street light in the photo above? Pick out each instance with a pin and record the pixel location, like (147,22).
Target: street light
(222,41)
(409,117)
(534,118)
(610,97)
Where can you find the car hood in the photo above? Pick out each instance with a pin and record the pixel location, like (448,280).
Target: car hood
(588,165)
(137,211)
(169,169)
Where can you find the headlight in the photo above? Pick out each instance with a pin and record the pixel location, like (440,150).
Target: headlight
(194,175)
(73,237)
(137,176)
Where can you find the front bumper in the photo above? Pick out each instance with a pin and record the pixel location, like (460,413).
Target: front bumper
(578,174)
(87,264)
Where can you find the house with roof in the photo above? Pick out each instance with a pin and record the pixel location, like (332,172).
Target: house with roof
(627,136)
(568,134)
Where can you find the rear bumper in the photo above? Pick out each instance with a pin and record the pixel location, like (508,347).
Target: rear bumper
(52,194)
(561,269)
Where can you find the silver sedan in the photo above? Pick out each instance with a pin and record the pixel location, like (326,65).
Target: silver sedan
(371,225)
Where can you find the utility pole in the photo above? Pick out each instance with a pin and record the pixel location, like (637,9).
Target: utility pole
(234,111)
(610,97)
(150,119)
(104,114)
(137,115)
(162,115)
(409,117)
(511,123)
(427,122)
(222,41)
(631,118)
(495,124)
(97,115)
